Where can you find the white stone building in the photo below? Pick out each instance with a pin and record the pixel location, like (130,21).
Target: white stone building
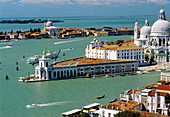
(51,30)
(111,109)
(113,52)
(155,39)
(82,66)
(155,98)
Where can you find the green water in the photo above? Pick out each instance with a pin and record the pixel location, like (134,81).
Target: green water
(63,95)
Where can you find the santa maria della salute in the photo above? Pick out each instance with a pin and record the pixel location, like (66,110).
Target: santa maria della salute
(154,39)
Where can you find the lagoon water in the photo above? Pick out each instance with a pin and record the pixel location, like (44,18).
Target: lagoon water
(59,96)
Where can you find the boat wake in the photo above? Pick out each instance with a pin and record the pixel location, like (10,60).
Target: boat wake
(3,43)
(49,104)
(67,49)
(5,47)
(67,41)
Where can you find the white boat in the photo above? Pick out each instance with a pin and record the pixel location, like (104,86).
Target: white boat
(140,72)
(33,59)
(51,55)
(32,105)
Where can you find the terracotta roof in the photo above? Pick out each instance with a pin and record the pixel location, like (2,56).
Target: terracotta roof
(163,87)
(135,90)
(122,47)
(125,29)
(152,93)
(121,105)
(85,60)
(160,81)
(153,86)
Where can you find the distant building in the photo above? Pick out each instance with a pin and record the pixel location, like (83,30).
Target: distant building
(51,30)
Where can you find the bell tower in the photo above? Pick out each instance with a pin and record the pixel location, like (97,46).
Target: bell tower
(136,31)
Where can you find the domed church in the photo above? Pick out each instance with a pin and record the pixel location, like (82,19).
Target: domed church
(51,30)
(154,39)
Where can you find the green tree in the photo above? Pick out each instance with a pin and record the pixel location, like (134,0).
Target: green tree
(127,114)
(30,29)
(119,41)
(39,30)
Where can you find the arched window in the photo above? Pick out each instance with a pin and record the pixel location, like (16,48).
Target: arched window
(160,42)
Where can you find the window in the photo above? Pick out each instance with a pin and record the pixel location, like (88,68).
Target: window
(47,64)
(160,42)
(109,114)
(54,74)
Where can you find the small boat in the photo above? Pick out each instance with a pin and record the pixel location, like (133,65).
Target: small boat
(101,97)
(10,45)
(107,76)
(131,73)
(6,77)
(113,100)
(140,72)
(120,74)
(111,75)
(32,105)
(33,59)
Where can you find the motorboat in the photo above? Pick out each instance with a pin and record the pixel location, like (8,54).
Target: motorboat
(10,45)
(101,97)
(51,55)
(32,105)
(33,59)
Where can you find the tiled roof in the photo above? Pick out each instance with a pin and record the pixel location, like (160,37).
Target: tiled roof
(135,90)
(163,87)
(152,93)
(121,105)
(85,60)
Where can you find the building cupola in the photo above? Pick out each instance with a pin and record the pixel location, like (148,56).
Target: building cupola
(162,14)
(146,22)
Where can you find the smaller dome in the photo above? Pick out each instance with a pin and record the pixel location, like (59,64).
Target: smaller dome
(49,23)
(145,30)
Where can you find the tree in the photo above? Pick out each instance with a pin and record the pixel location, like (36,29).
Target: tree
(119,41)
(127,114)
(39,30)
(30,29)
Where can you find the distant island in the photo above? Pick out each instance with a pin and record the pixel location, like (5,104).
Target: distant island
(25,21)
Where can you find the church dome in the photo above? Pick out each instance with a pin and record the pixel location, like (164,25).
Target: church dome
(161,26)
(49,23)
(145,30)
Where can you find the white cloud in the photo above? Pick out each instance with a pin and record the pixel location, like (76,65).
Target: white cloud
(159,1)
(93,2)
(44,1)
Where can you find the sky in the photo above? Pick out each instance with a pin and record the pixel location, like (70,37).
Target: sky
(61,8)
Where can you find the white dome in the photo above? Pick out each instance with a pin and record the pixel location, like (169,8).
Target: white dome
(49,23)
(161,26)
(145,30)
